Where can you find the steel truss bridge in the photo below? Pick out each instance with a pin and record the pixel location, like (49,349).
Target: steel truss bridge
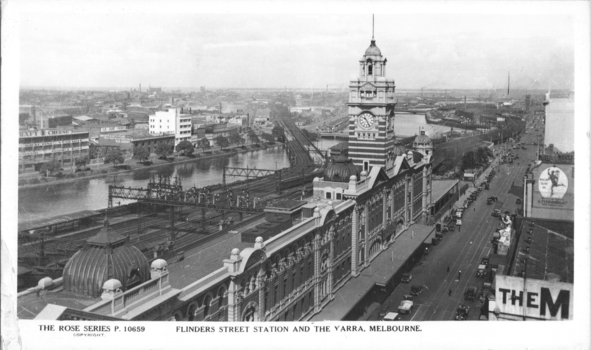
(165,192)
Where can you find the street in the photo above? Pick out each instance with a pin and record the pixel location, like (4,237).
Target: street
(462,251)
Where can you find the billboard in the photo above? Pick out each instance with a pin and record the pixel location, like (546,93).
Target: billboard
(553,192)
(539,300)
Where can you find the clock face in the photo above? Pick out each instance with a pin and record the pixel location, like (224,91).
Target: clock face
(366,120)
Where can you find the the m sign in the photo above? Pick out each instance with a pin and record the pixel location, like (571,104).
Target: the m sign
(538,300)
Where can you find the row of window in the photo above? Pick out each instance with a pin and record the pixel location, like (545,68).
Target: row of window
(367,135)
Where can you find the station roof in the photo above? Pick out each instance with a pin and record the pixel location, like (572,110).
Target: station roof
(41,223)
(380,271)
(440,187)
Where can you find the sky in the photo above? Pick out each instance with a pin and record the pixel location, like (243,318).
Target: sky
(185,47)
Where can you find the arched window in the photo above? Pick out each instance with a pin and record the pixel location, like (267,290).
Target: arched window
(324,262)
(206,303)
(369,69)
(250,313)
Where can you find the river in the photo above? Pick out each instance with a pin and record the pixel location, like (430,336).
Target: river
(92,194)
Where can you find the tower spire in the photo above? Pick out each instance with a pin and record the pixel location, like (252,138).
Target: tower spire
(372,26)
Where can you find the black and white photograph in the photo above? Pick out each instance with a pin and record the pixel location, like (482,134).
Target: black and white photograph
(336,175)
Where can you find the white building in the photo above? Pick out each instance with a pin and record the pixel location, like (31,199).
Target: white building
(171,121)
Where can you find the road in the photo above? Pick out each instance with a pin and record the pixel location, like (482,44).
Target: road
(462,250)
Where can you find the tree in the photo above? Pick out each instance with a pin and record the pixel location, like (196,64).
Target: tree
(141,153)
(483,154)
(163,149)
(93,151)
(469,160)
(310,135)
(81,162)
(222,141)
(253,137)
(49,167)
(114,156)
(234,138)
(203,143)
(185,146)
(278,133)
(267,137)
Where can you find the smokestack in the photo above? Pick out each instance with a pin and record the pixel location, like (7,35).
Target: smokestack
(34,116)
(508,81)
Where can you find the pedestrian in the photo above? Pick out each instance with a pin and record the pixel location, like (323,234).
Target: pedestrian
(474,208)
(459,274)
(459,228)
(447,268)
(449,293)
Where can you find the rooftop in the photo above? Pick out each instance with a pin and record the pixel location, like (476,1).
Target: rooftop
(440,187)
(551,254)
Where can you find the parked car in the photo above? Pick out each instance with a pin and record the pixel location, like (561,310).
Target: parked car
(405,306)
(496,212)
(391,316)
(406,278)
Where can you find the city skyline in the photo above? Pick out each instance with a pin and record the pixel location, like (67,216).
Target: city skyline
(455,51)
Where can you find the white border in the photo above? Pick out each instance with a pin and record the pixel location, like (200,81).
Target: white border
(435,335)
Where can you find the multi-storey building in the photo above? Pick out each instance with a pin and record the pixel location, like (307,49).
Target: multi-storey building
(171,121)
(40,146)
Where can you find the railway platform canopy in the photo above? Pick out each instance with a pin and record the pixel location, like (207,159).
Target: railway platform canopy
(58,220)
(379,273)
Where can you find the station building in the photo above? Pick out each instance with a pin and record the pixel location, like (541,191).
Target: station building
(365,221)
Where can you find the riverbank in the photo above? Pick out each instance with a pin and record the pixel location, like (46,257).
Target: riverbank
(107,170)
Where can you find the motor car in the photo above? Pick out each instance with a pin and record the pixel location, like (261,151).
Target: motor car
(518,201)
(391,316)
(462,312)
(493,199)
(408,297)
(481,271)
(405,306)
(416,290)
(484,261)
(496,213)
(470,293)
(406,278)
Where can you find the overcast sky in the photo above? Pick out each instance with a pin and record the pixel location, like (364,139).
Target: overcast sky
(178,48)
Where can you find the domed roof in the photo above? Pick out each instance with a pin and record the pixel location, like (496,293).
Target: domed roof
(105,256)
(399,149)
(422,138)
(373,50)
(341,170)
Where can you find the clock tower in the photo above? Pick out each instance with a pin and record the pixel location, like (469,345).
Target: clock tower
(371,112)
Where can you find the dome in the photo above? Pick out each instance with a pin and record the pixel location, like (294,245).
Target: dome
(106,256)
(45,282)
(112,284)
(422,138)
(373,50)
(159,264)
(341,170)
(398,150)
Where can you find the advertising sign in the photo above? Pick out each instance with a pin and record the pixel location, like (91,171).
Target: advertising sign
(542,300)
(553,192)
